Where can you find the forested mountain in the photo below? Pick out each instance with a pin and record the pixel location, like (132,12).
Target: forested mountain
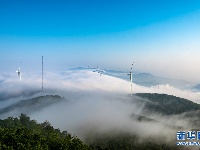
(127,141)
(29,105)
(167,104)
(161,104)
(24,133)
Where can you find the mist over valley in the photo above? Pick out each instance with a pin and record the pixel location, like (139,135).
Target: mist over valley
(92,103)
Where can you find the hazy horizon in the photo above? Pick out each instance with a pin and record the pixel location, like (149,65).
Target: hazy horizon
(161,37)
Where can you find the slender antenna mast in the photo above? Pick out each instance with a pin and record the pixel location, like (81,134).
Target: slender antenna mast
(131,78)
(42,72)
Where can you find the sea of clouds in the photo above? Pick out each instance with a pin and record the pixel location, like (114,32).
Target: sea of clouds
(93,102)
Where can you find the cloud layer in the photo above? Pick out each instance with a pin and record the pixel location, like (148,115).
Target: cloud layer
(93,102)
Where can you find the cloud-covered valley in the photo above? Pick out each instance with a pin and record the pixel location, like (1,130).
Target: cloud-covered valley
(92,102)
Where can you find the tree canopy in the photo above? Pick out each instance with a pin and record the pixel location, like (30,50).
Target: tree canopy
(22,133)
(167,104)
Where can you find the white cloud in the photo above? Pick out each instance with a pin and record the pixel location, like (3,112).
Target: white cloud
(93,102)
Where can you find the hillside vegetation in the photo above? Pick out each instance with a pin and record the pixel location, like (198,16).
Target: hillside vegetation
(25,134)
(29,105)
(167,104)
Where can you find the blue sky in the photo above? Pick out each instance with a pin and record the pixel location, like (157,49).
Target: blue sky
(162,37)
